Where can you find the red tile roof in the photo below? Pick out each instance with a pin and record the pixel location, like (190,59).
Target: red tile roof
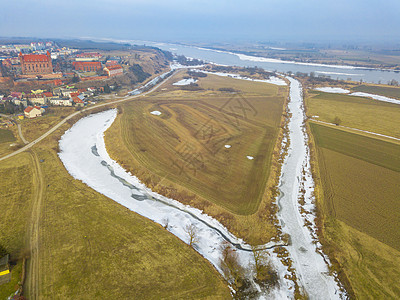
(77,100)
(48,94)
(35,57)
(28,109)
(114,67)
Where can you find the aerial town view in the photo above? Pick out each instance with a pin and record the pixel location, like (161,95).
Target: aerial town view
(200,149)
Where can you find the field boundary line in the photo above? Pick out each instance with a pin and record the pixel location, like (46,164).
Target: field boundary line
(356,129)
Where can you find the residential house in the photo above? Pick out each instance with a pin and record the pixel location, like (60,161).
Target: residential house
(33,112)
(77,101)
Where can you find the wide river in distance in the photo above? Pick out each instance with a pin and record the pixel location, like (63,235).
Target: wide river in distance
(235,59)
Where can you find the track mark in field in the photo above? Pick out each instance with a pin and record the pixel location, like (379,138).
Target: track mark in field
(33,274)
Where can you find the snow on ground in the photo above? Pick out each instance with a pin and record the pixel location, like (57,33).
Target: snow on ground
(376,97)
(156,112)
(250,157)
(358,94)
(84,155)
(335,90)
(227,146)
(185,81)
(271,80)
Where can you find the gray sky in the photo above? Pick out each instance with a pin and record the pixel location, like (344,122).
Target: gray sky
(206,20)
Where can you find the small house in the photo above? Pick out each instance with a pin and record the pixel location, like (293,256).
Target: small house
(33,111)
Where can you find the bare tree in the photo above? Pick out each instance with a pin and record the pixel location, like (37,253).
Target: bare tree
(236,274)
(266,276)
(165,223)
(191,230)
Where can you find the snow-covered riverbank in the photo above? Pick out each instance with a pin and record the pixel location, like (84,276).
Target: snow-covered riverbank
(296,183)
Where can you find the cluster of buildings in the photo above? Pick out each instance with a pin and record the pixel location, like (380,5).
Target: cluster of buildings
(94,62)
(36,62)
(35,102)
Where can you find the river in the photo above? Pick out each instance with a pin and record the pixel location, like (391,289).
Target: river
(236,59)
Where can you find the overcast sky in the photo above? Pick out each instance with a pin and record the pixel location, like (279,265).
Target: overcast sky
(205,20)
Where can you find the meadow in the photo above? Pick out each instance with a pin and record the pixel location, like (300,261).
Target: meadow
(6,136)
(34,128)
(357,190)
(356,112)
(87,246)
(181,153)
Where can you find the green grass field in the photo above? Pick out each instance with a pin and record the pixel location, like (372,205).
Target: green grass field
(375,151)
(391,92)
(182,153)
(89,246)
(6,136)
(355,112)
(359,178)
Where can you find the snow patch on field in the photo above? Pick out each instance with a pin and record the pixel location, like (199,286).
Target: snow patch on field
(156,112)
(185,81)
(334,90)
(272,80)
(357,94)
(376,97)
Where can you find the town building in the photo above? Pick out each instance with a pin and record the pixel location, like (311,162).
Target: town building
(114,70)
(39,99)
(32,64)
(87,66)
(56,101)
(78,101)
(33,111)
(88,56)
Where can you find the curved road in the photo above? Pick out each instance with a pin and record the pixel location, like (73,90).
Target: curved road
(31,144)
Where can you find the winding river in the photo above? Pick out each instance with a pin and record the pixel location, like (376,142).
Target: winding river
(84,155)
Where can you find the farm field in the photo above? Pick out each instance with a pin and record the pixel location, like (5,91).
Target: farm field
(387,91)
(6,136)
(356,112)
(88,245)
(359,179)
(181,153)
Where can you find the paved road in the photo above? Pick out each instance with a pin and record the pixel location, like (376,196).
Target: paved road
(31,144)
